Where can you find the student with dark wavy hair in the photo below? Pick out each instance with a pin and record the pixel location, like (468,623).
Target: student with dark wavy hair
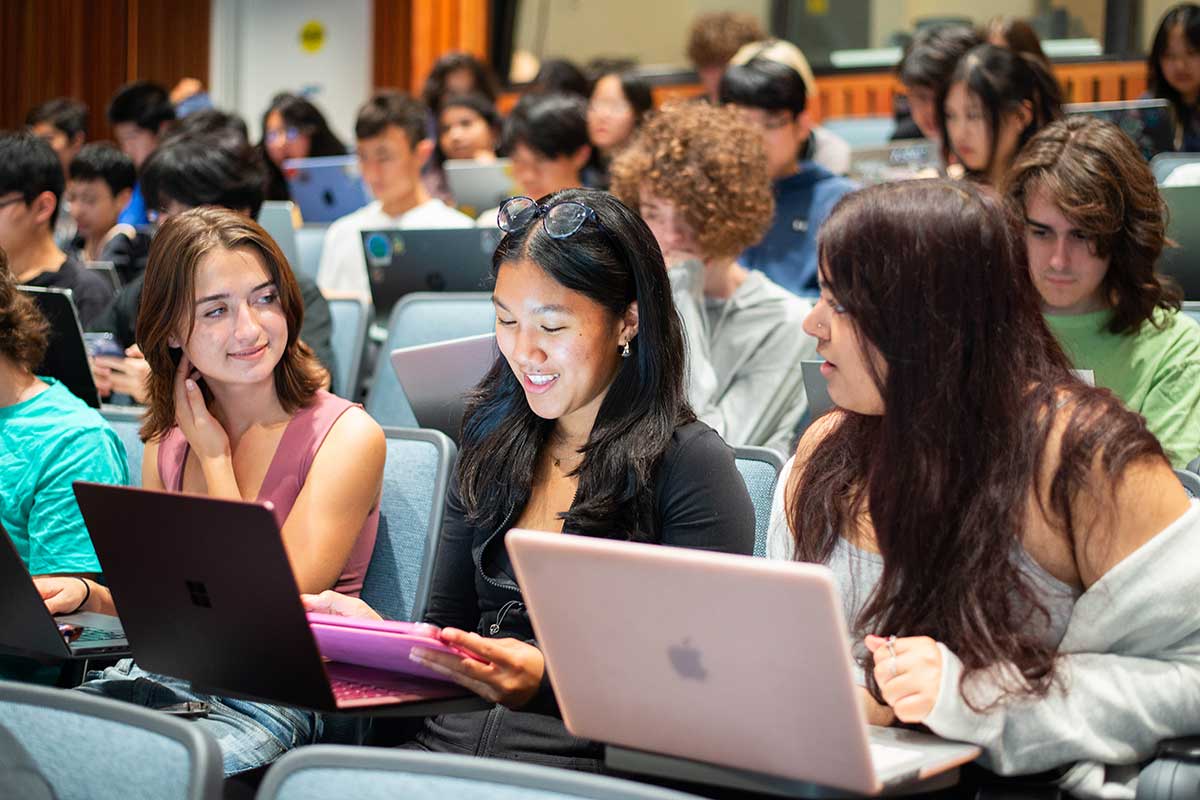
(994,103)
(580,426)
(1094,226)
(1173,71)
(292,127)
(1020,534)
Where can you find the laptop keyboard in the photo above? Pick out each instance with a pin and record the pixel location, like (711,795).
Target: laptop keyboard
(352,690)
(886,758)
(98,635)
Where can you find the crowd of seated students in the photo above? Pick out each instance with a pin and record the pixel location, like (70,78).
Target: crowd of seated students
(1011,528)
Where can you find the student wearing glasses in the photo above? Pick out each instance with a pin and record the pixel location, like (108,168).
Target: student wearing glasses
(1020,534)
(698,175)
(1095,226)
(292,127)
(580,426)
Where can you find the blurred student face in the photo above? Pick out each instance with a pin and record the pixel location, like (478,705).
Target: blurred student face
(539,175)
(922,103)
(1062,259)
(63,145)
(970,134)
(460,81)
(391,166)
(94,207)
(464,133)
(135,141)
(675,236)
(240,331)
(285,141)
(1180,64)
(846,367)
(562,346)
(610,117)
(782,135)
(23,224)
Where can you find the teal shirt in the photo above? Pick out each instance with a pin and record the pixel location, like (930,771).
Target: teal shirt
(1155,372)
(46,443)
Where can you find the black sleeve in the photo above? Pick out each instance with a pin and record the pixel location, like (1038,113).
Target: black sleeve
(453,602)
(120,316)
(92,295)
(703,502)
(317,331)
(128,256)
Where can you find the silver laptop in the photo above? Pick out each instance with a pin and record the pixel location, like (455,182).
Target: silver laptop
(436,378)
(905,158)
(720,659)
(276,219)
(477,187)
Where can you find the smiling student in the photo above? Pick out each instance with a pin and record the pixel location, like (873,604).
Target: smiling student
(1095,225)
(1020,534)
(580,426)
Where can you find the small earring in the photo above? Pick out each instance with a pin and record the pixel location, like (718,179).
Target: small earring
(625,351)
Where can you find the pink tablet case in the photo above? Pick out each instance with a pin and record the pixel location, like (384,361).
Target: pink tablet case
(381,644)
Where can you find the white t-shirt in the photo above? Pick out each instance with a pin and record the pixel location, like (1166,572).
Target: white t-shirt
(343,266)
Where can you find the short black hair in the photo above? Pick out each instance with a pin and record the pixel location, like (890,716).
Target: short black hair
(934,52)
(561,75)
(552,125)
(216,169)
(392,107)
(102,161)
(762,83)
(64,113)
(144,103)
(29,165)
(212,120)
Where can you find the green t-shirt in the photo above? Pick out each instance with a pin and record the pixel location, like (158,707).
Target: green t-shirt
(1155,372)
(46,443)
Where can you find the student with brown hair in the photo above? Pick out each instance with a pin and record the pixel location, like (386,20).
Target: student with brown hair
(1095,226)
(712,41)
(1013,550)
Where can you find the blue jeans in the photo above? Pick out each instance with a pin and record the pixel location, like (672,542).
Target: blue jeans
(250,735)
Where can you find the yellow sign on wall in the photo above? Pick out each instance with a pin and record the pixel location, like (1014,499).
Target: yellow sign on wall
(312,36)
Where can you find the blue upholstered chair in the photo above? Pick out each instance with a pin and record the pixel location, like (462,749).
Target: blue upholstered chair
(350,317)
(127,421)
(759,467)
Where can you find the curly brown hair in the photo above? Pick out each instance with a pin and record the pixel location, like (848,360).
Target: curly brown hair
(24,332)
(715,37)
(1094,172)
(710,163)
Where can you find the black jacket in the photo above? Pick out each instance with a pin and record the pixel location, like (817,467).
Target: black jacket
(700,501)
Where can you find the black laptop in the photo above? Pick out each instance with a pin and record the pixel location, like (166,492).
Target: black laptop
(66,358)
(207,594)
(27,628)
(400,262)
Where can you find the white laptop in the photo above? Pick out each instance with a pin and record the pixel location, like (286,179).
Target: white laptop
(436,378)
(720,659)
(476,186)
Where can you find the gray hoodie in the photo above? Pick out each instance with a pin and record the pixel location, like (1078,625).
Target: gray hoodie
(744,377)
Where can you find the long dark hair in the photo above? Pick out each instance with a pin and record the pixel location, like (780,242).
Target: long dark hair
(1187,16)
(1003,80)
(613,265)
(298,113)
(483,79)
(974,381)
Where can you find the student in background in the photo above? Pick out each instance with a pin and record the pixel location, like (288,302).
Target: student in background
(925,71)
(236,411)
(457,72)
(1095,225)
(468,129)
(140,113)
(619,102)
(744,336)
(1173,71)
(101,181)
(713,39)
(62,122)
(995,102)
(292,127)
(773,97)
(582,426)
(1017,35)
(393,146)
(561,75)
(1020,536)
(31,184)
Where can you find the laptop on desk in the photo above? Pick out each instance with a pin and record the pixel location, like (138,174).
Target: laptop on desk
(326,187)
(739,665)
(66,358)
(476,186)
(436,378)
(210,598)
(27,627)
(1149,122)
(400,262)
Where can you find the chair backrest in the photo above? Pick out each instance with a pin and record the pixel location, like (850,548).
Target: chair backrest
(1163,164)
(94,747)
(423,318)
(350,317)
(1192,309)
(310,241)
(759,468)
(323,771)
(1190,481)
(127,421)
(277,217)
(862,131)
(1183,261)
(1194,466)
(415,477)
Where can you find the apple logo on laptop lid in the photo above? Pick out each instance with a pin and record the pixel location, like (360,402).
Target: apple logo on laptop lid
(685,658)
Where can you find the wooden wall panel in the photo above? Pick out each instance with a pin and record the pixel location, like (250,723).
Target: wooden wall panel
(410,35)
(392,33)
(170,40)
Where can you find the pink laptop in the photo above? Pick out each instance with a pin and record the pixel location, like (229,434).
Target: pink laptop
(718,659)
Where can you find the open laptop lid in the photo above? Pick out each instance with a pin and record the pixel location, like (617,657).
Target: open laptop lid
(27,627)
(66,358)
(436,378)
(400,262)
(1149,122)
(476,187)
(327,187)
(719,679)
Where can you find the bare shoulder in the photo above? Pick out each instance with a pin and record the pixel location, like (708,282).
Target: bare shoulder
(355,436)
(150,476)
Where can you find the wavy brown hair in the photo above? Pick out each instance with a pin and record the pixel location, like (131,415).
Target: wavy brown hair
(1097,176)
(710,163)
(974,381)
(24,332)
(168,307)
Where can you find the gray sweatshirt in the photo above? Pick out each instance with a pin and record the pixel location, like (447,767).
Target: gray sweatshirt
(743,355)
